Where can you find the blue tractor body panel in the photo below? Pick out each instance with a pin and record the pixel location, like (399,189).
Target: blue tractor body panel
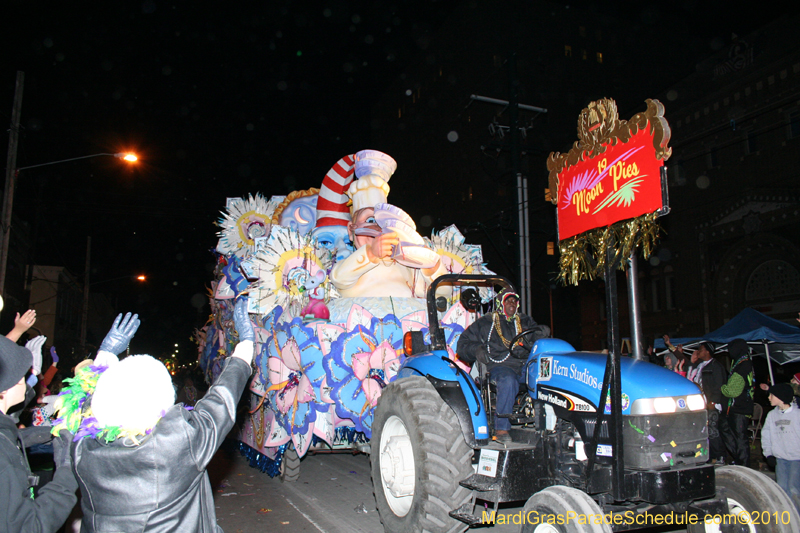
(437,366)
(559,375)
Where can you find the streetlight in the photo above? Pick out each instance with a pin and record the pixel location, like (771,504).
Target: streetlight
(126,156)
(8,202)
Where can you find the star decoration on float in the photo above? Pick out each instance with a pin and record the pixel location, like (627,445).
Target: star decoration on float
(244,221)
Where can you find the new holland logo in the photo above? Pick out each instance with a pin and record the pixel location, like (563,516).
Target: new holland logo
(545,368)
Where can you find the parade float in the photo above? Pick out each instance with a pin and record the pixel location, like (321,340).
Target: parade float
(334,277)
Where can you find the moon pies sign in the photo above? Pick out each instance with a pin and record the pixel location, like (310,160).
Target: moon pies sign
(612,181)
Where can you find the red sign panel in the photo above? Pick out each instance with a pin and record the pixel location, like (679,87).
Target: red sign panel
(621,183)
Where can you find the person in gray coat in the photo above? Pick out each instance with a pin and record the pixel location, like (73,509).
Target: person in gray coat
(19,511)
(140,460)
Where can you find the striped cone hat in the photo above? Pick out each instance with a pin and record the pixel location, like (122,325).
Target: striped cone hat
(332,209)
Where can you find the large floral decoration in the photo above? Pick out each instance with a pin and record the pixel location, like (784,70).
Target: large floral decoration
(363,359)
(289,267)
(244,221)
(295,370)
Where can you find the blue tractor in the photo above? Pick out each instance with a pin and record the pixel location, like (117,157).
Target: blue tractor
(434,461)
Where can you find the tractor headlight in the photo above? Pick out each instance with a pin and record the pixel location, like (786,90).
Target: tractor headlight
(668,404)
(664,405)
(695,402)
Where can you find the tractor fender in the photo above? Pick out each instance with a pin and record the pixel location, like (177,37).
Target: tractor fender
(457,390)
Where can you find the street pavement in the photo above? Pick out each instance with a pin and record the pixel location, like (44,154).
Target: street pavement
(332,495)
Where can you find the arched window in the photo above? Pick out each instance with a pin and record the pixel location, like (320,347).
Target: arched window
(771,279)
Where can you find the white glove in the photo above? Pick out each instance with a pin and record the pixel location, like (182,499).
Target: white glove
(35,347)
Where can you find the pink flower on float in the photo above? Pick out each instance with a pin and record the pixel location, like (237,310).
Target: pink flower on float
(288,380)
(375,369)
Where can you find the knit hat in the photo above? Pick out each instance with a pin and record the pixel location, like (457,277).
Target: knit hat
(332,207)
(783,392)
(373,169)
(503,295)
(15,361)
(133,394)
(501,298)
(797,376)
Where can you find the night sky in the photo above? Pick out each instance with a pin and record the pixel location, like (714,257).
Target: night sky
(217,101)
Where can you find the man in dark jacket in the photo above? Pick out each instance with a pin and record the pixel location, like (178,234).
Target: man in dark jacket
(488,340)
(738,392)
(154,479)
(710,376)
(19,511)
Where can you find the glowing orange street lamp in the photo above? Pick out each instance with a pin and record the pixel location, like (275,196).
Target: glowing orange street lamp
(8,202)
(141,277)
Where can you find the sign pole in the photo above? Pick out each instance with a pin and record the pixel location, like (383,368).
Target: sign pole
(613,370)
(634,311)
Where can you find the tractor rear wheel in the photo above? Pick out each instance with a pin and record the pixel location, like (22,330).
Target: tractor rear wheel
(418,458)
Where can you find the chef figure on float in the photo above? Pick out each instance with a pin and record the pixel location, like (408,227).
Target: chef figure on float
(390,258)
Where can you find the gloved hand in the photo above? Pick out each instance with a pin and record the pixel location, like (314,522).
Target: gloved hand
(120,334)
(53,354)
(242,321)
(61,444)
(32,381)
(35,347)
(771,461)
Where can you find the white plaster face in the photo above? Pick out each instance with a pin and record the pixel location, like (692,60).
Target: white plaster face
(300,214)
(335,239)
(364,219)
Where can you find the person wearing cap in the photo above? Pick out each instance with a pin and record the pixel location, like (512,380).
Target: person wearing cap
(140,458)
(780,439)
(795,383)
(709,374)
(738,391)
(370,270)
(488,340)
(55,500)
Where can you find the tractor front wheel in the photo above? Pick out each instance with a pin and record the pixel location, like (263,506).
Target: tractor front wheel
(756,504)
(418,458)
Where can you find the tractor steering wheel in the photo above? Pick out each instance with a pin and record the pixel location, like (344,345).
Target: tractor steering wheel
(513,343)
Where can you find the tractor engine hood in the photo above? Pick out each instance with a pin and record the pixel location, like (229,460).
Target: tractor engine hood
(562,377)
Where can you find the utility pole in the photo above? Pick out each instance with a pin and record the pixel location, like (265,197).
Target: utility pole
(11,166)
(523,234)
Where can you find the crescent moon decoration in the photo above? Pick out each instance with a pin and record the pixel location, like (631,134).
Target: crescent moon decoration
(245,221)
(284,265)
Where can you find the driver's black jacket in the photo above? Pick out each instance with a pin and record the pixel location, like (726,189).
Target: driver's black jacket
(473,345)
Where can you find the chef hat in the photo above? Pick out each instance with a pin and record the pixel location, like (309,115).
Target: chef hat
(332,207)
(373,169)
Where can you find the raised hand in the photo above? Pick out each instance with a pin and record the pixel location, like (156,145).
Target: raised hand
(35,347)
(22,324)
(120,334)
(242,321)
(54,355)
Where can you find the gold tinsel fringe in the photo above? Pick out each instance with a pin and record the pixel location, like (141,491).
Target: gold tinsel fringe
(583,256)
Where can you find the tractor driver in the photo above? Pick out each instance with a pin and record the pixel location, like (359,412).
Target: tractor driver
(488,340)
